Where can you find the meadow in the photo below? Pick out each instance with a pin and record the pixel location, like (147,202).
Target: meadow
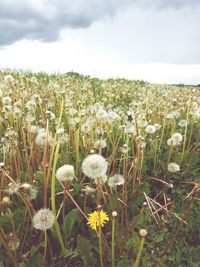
(98,172)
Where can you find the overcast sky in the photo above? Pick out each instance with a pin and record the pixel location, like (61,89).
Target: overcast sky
(154,40)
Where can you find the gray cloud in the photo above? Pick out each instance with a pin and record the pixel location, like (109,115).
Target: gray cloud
(43,19)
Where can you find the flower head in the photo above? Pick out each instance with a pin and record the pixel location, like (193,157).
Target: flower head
(177,137)
(95,166)
(150,129)
(173,167)
(65,173)
(43,219)
(97,218)
(115,180)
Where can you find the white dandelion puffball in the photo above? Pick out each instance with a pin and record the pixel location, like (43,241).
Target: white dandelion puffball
(43,219)
(173,167)
(6,100)
(142,123)
(115,180)
(65,173)
(182,123)
(95,166)
(130,129)
(177,137)
(29,191)
(150,129)
(41,137)
(171,142)
(101,143)
(9,78)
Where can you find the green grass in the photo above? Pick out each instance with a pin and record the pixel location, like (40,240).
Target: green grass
(106,117)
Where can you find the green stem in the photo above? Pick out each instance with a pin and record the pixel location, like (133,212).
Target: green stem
(53,201)
(45,246)
(100,243)
(137,262)
(113,242)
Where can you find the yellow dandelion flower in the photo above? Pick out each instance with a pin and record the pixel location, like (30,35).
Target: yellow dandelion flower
(97,217)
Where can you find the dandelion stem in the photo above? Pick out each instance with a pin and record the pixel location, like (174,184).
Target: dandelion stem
(113,242)
(137,262)
(53,202)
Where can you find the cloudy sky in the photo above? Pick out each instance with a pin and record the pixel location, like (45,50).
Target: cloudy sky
(153,40)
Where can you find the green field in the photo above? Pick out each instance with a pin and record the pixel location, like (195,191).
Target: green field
(98,172)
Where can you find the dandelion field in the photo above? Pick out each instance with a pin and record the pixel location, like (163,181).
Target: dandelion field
(98,172)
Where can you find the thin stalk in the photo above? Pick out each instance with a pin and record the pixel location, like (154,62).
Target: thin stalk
(113,243)
(137,262)
(53,200)
(100,243)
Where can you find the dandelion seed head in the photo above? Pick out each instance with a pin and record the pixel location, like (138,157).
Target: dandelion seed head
(12,188)
(101,143)
(150,129)
(41,138)
(143,232)
(114,214)
(6,100)
(173,167)
(177,137)
(95,166)
(9,78)
(115,180)
(65,173)
(182,123)
(13,242)
(29,191)
(43,219)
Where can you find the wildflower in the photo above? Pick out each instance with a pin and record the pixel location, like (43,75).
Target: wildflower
(97,218)
(31,105)
(41,138)
(36,99)
(101,143)
(43,219)
(95,166)
(114,213)
(88,190)
(177,137)
(115,180)
(32,129)
(29,117)
(13,242)
(6,100)
(86,127)
(29,191)
(17,113)
(65,173)
(130,129)
(60,131)
(9,78)
(142,123)
(101,114)
(150,129)
(173,167)
(143,232)
(50,115)
(33,79)
(197,113)
(182,123)
(12,188)
(112,116)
